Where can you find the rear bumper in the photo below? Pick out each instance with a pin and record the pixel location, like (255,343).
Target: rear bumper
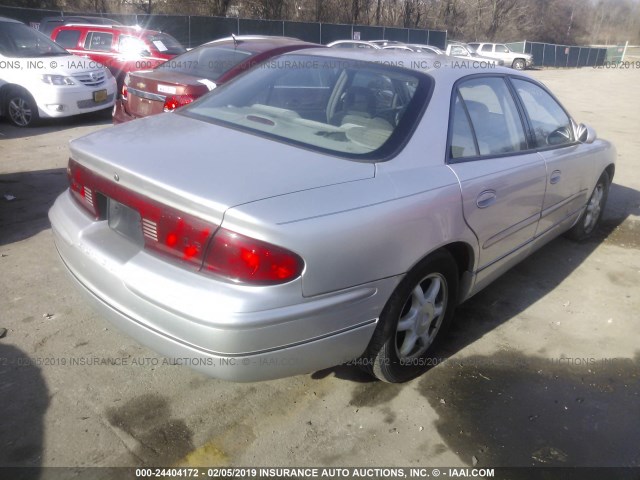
(120,115)
(223,330)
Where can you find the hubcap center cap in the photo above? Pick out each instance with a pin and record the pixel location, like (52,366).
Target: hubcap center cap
(427,312)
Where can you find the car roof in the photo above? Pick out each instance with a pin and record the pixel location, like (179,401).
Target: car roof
(9,20)
(128,29)
(260,43)
(441,66)
(73,18)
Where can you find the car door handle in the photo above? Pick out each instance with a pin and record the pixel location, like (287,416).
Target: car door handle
(555,177)
(486,199)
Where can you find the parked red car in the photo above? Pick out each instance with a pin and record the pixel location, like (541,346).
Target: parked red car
(122,49)
(182,79)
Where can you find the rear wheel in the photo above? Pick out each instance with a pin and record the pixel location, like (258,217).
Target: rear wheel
(592,214)
(414,318)
(519,64)
(21,108)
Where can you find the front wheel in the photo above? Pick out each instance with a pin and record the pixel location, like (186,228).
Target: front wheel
(519,64)
(592,214)
(416,315)
(21,108)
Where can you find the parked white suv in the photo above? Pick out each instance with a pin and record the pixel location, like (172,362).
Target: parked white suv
(462,50)
(500,51)
(39,78)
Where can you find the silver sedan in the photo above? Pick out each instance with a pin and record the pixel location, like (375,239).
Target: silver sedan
(328,206)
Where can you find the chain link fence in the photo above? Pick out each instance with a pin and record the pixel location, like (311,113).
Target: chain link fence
(561,56)
(192,31)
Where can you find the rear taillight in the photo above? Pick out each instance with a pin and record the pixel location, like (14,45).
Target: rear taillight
(247,260)
(176,234)
(174,101)
(81,186)
(165,230)
(170,232)
(124,92)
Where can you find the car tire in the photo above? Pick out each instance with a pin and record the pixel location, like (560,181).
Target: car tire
(590,217)
(519,64)
(413,320)
(21,109)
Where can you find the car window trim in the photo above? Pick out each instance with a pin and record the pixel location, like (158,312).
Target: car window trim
(455,91)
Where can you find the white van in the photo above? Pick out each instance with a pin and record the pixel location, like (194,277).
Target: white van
(40,79)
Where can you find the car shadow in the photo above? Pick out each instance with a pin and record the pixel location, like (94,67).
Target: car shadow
(526,283)
(25,199)
(508,409)
(25,400)
(49,125)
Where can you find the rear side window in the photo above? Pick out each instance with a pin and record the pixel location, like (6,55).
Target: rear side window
(502,49)
(68,38)
(487,48)
(100,41)
(462,141)
(165,43)
(494,116)
(551,125)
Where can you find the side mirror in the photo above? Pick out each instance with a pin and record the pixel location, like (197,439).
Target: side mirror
(586,134)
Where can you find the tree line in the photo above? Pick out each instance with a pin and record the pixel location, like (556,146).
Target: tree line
(554,21)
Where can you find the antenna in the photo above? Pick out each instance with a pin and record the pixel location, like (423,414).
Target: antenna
(235,40)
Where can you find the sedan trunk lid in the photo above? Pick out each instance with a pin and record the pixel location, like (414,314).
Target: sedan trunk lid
(204,169)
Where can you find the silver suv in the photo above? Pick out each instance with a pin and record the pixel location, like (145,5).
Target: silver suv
(500,51)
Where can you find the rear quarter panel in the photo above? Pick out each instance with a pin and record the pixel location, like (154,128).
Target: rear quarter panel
(357,232)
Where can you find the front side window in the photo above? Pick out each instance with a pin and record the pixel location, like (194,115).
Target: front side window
(129,45)
(502,49)
(551,125)
(99,41)
(68,38)
(353,109)
(460,51)
(494,116)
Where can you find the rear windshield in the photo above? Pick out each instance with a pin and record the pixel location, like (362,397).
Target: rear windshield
(354,109)
(165,43)
(19,41)
(209,62)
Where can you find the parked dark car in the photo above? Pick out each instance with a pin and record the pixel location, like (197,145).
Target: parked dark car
(183,79)
(48,24)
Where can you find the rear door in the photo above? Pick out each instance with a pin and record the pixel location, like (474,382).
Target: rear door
(502,179)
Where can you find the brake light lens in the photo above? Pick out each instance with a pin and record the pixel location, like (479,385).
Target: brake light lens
(124,92)
(81,187)
(247,260)
(176,101)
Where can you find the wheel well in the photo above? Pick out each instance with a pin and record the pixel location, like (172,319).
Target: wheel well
(611,169)
(4,91)
(462,254)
